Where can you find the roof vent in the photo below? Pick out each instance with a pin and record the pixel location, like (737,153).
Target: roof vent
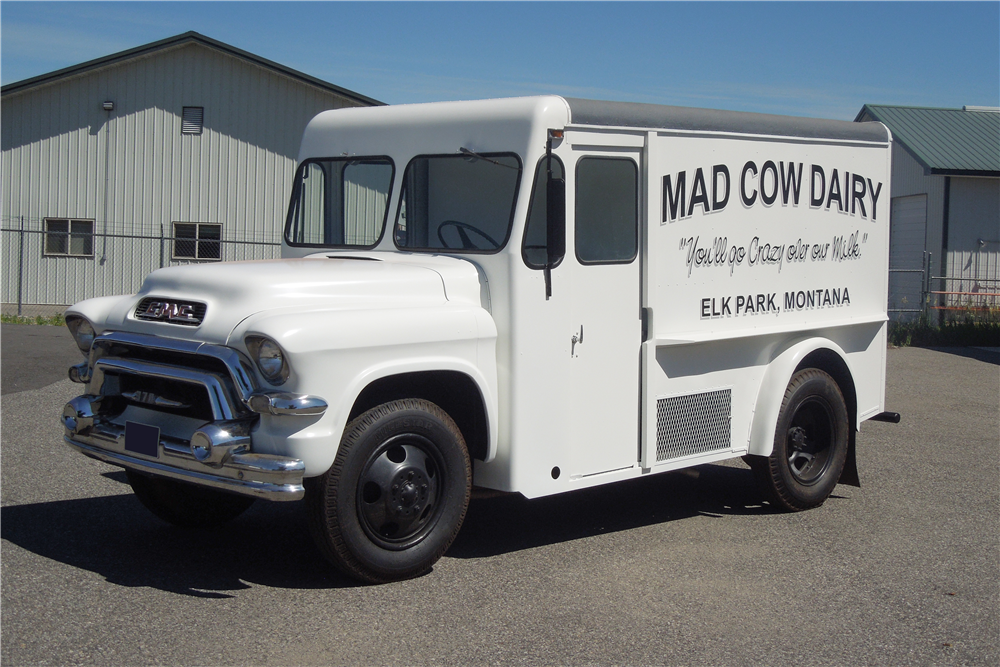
(984,109)
(192,120)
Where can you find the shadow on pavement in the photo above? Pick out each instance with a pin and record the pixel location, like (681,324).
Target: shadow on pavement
(510,523)
(977,353)
(117,538)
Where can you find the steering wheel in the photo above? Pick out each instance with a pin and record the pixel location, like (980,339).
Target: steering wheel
(462,228)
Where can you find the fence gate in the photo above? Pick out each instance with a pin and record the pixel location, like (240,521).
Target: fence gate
(908,261)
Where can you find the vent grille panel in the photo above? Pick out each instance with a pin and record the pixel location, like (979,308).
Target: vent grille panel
(693,424)
(192,119)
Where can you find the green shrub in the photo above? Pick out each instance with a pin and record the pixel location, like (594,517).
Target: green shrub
(974,327)
(53,320)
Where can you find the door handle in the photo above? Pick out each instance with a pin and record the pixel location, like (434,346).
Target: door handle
(577,338)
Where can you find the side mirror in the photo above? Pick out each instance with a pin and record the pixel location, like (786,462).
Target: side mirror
(555,221)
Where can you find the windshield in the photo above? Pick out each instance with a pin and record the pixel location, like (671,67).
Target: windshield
(339,202)
(459,203)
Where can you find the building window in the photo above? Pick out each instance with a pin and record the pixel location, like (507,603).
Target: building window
(71,238)
(197,240)
(192,120)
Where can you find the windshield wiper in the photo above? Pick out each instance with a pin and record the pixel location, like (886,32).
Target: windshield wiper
(465,151)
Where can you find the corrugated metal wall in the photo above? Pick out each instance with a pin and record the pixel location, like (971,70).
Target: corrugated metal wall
(974,240)
(312,208)
(972,261)
(365,199)
(133,172)
(908,179)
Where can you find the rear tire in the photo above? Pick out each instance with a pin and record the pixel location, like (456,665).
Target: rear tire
(810,443)
(396,495)
(186,505)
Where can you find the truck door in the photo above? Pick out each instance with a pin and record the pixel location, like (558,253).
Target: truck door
(602,269)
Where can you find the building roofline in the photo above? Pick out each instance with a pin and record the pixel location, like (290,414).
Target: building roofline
(177,40)
(870,107)
(964,172)
(967,108)
(912,143)
(867,109)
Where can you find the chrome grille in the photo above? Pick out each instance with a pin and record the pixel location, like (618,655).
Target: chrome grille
(166,395)
(693,424)
(184,378)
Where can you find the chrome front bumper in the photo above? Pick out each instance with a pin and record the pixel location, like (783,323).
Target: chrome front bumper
(246,473)
(123,422)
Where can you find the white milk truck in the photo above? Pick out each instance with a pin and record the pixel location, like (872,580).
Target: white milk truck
(531,295)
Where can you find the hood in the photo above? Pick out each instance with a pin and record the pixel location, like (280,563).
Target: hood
(233,291)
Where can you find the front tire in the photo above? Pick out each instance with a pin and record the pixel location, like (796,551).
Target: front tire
(810,443)
(396,495)
(186,505)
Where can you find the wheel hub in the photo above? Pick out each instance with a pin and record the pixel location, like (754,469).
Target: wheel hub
(810,441)
(397,493)
(797,438)
(408,494)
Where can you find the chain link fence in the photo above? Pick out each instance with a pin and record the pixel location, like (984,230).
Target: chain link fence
(917,294)
(49,264)
(907,294)
(963,297)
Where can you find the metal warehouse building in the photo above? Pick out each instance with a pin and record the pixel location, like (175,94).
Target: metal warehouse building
(945,216)
(177,151)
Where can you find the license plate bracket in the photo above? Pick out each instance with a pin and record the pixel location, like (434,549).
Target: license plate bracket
(142,439)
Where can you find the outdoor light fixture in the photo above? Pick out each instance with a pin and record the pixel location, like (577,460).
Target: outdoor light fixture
(109,106)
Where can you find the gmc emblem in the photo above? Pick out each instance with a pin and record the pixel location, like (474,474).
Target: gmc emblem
(170,311)
(164,310)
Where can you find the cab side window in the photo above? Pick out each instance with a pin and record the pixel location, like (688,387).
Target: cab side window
(607,210)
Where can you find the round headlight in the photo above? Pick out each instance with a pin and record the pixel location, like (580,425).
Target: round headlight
(269,357)
(83,333)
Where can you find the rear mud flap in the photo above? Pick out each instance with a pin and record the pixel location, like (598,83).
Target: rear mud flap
(849,475)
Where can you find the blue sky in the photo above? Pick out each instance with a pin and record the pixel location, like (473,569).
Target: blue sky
(806,59)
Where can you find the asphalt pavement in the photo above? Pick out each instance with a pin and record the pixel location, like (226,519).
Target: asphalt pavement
(690,568)
(35,356)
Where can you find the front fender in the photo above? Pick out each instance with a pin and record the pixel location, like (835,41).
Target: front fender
(772,388)
(335,354)
(99,309)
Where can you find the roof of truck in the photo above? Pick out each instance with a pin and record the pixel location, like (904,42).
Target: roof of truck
(658,116)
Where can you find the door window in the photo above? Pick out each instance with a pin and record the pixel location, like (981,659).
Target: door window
(458,203)
(607,210)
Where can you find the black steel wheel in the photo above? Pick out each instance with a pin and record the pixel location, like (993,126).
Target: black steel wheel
(396,495)
(810,443)
(186,505)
